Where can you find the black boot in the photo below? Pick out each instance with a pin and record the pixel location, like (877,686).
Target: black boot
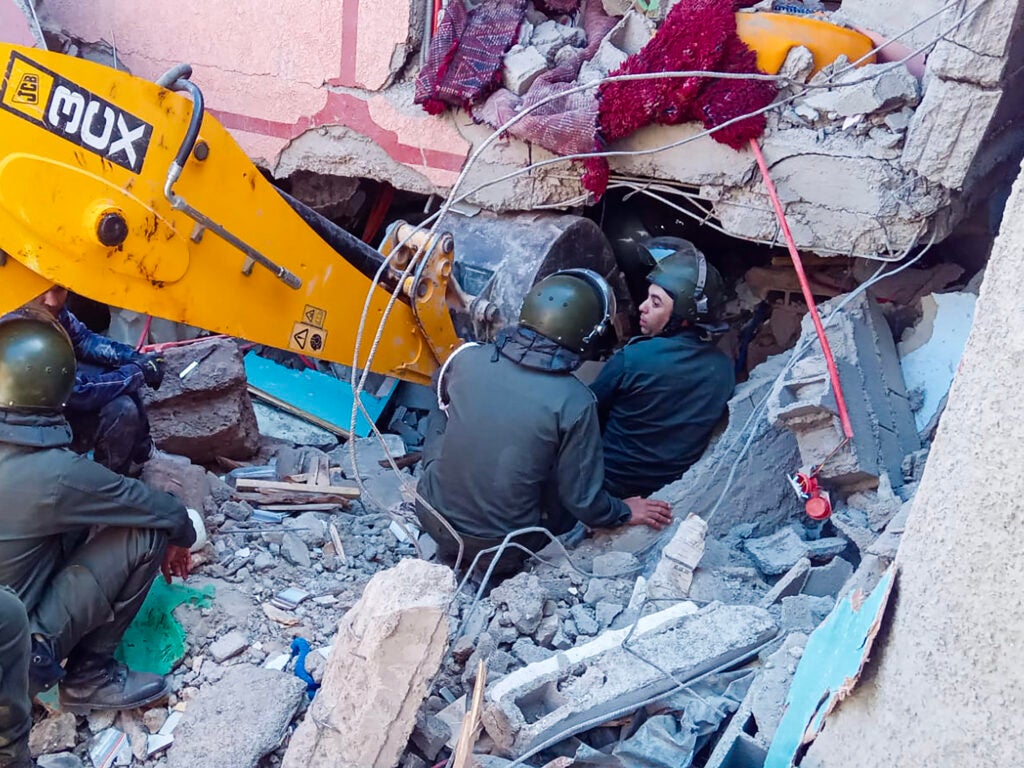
(44,671)
(16,755)
(99,682)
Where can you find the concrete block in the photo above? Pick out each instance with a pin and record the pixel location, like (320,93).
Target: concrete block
(521,67)
(523,600)
(828,580)
(600,677)
(791,583)
(208,413)
(776,554)
(870,92)
(388,648)
(584,620)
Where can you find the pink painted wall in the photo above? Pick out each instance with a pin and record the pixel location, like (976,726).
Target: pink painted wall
(273,69)
(14,27)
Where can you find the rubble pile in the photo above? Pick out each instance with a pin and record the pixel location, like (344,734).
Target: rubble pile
(322,626)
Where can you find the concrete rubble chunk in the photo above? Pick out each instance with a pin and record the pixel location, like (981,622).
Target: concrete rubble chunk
(521,68)
(803,613)
(828,580)
(868,89)
(876,397)
(774,555)
(179,476)
(60,760)
(388,648)
(208,413)
(234,722)
(791,583)
(674,573)
(600,677)
(53,734)
(229,646)
(523,599)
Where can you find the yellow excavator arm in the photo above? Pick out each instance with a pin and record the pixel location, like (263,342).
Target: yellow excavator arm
(125,191)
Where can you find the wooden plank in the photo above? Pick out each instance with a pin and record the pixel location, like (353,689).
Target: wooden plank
(264,498)
(463,757)
(344,491)
(287,407)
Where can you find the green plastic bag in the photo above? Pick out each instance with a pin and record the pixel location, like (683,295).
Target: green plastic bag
(155,640)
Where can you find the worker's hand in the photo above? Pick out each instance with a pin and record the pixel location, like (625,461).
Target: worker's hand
(653,513)
(177,562)
(152,369)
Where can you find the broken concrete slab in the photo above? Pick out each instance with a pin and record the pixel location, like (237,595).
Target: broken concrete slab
(876,398)
(522,65)
(234,722)
(552,697)
(203,410)
(229,646)
(388,648)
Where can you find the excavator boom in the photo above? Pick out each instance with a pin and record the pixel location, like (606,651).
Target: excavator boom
(125,191)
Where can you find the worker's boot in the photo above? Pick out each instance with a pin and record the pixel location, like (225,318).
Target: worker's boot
(100,682)
(44,671)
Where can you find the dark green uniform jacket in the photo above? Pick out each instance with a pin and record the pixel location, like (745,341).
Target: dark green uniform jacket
(521,442)
(49,496)
(659,399)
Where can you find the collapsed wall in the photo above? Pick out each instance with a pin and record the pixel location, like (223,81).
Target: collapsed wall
(940,691)
(865,167)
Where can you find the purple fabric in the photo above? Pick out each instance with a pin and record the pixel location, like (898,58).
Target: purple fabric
(465,57)
(566,125)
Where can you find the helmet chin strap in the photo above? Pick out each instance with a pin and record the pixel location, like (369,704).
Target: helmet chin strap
(700,301)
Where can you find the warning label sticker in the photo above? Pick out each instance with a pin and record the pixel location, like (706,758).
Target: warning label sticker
(314,316)
(307,338)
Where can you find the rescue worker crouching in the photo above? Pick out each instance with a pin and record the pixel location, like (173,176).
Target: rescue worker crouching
(661,395)
(105,410)
(515,441)
(79,545)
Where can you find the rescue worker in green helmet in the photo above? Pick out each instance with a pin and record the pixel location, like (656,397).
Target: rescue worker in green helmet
(80,545)
(660,396)
(515,440)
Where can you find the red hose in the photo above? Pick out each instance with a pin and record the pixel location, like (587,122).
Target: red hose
(145,333)
(798,265)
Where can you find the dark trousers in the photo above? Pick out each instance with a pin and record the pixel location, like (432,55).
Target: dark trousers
(98,589)
(512,558)
(15,646)
(118,433)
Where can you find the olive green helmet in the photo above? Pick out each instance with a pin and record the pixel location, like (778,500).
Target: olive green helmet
(572,307)
(37,362)
(696,287)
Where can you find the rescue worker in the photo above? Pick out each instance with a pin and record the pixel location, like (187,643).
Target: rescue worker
(79,545)
(515,441)
(660,396)
(105,411)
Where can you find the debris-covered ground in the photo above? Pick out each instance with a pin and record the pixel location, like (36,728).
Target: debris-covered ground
(678,647)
